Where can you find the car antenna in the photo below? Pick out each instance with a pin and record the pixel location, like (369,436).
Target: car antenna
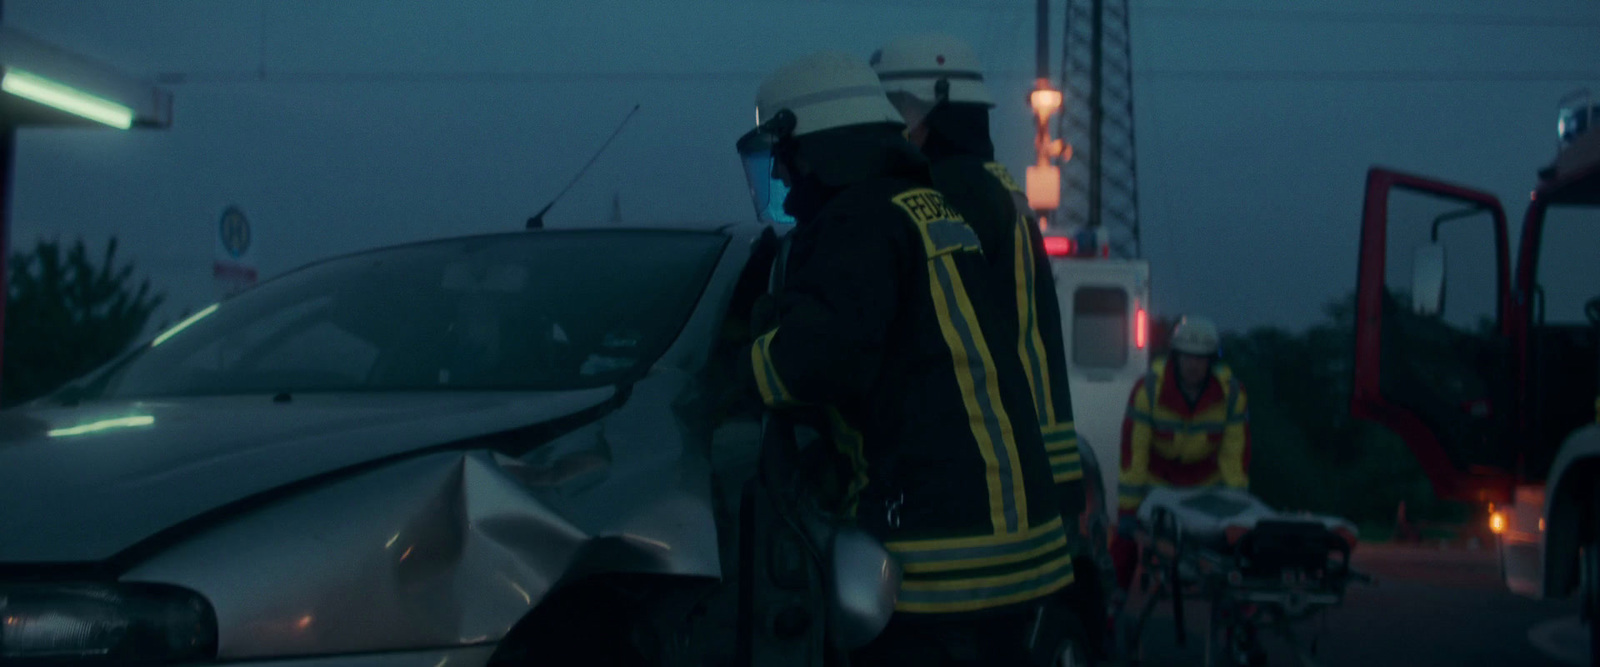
(537,221)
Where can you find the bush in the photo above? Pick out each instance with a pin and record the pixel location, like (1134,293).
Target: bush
(68,313)
(1308,453)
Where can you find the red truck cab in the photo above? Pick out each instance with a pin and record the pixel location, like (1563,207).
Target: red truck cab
(1489,370)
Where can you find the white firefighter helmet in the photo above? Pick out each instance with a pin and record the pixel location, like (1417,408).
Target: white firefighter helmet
(1195,335)
(823,91)
(920,65)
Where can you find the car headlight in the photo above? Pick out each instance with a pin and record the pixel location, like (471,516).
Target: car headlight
(138,624)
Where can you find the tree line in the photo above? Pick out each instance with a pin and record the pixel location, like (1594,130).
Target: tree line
(69,310)
(1308,453)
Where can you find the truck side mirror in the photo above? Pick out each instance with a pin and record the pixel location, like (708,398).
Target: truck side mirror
(1427,280)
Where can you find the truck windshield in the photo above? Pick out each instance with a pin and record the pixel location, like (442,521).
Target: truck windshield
(1564,343)
(547,310)
(1567,250)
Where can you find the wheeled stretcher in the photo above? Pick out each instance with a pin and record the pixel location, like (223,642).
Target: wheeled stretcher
(1258,570)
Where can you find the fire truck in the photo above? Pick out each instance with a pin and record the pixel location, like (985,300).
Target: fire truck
(1483,357)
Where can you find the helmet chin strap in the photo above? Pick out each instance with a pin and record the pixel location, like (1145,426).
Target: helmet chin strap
(941,97)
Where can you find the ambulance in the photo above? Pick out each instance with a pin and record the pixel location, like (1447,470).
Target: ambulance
(1105,322)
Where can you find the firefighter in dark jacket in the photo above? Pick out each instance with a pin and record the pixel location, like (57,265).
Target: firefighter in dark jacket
(877,325)
(937,84)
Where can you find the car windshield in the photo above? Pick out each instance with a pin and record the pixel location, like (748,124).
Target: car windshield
(535,311)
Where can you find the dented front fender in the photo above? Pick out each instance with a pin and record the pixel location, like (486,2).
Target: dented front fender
(453,548)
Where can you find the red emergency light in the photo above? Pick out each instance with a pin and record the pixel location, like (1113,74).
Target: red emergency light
(1141,330)
(1066,246)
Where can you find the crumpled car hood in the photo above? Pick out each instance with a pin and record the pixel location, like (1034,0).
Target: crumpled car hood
(83,484)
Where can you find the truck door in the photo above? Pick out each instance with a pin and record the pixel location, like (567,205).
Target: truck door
(1432,360)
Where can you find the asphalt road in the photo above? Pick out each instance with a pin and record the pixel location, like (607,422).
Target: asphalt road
(1430,607)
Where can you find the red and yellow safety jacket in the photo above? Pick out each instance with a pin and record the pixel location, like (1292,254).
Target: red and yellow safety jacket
(1168,442)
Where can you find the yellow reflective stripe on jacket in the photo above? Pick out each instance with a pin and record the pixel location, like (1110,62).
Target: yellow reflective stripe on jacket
(850,444)
(1133,480)
(1066,467)
(944,233)
(773,391)
(1129,497)
(948,575)
(941,555)
(975,373)
(1061,443)
(1061,440)
(1137,464)
(1235,438)
(1030,345)
(1190,438)
(1004,176)
(1207,421)
(977,593)
(1212,419)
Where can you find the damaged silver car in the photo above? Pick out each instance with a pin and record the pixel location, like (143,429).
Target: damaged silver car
(512,449)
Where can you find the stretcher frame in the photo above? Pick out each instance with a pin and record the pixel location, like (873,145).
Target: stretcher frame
(1244,589)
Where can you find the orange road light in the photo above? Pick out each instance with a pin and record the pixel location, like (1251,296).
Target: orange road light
(1046,102)
(1043,178)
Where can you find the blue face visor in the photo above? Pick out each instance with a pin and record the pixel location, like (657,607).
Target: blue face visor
(766,191)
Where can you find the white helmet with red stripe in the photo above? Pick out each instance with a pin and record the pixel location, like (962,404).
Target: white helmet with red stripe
(932,68)
(1196,335)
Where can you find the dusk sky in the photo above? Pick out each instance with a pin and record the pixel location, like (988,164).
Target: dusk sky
(338,126)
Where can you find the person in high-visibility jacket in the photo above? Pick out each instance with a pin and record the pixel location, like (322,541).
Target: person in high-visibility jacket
(876,326)
(1187,426)
(936,82)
